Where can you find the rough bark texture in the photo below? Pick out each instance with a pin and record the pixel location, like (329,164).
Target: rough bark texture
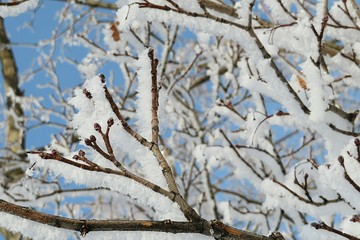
(210,228)
(15,138)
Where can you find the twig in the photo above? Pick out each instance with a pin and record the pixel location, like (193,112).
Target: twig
(124,123)
(322,225)
(325,201)
(346,175)
(155,98)
(241,158)
(15,3)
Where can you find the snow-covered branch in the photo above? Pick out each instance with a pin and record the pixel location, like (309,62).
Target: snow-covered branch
(234,119)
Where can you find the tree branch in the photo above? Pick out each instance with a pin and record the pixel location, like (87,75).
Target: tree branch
(15,138)
(94,4)
(155,98)
(212,228)
(322,225)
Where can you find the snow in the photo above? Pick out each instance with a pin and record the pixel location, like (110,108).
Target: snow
(318,97)
(144,236)
(33,230)
(336,171)
(309,232)
(98,110)
(39,231)
(351,227)
(164,207)
(194,117)
(144,100)
(11,11)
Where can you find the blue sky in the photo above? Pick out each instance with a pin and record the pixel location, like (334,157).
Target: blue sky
(25,31)
(23,37)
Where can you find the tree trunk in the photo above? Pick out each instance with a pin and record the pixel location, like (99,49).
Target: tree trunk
(15,137)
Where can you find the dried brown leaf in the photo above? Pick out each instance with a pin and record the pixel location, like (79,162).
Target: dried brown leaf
(115,32)
(302,83)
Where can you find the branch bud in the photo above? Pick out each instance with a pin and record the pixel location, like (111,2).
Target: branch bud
(315,225)
(92,138)
(110,122)
(87,93)
(357,142)
(81,153)
(87,142)
(54,152)
(102,78)
(341,160)
(355,218)
(97,127)
(76,157)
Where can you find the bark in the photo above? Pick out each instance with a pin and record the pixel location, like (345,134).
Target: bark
(15,138)
(210,228)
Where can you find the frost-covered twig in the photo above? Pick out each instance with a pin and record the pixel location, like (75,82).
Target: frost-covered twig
(152,146)
(309,201)
(155,126)
(324,226)
(155,98)
(354,134)
(91,141)
(124,123)
(346,174)
(94,4)
(147,4)
(240,157)
(88,165)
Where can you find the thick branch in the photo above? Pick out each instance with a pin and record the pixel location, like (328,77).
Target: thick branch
(215,228)
(85,226)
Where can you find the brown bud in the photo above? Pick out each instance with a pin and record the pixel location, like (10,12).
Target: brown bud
(97,127)
(54,152)
(87,93)
(357,142)
(315,225)
(355,218)
(341,160)
(326,18)
(281,113)
(76,157)
(102,78)
(87,142)
(110,122)
(92,138)
(81,153)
